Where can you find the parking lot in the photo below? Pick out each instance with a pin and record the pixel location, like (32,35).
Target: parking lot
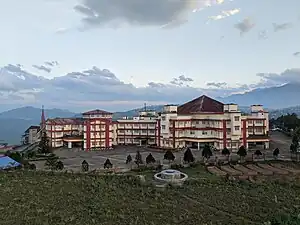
(72,158)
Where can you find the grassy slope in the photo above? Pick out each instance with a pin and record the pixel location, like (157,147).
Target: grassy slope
(42,198)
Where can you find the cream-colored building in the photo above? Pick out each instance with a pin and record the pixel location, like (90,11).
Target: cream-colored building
(195,123)
(64,132)
(31,135)
(140,130)
(207,121)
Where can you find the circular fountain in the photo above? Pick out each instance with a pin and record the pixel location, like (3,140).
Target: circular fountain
(173,177)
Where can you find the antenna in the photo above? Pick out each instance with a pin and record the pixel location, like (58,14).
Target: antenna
(145,107)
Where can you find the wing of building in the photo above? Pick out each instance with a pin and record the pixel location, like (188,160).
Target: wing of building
(195,123)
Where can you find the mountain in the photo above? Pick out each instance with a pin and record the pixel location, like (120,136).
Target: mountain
(135,112)
(274,97)
(13,123)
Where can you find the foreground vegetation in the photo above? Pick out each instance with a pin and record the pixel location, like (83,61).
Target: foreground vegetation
(31,197)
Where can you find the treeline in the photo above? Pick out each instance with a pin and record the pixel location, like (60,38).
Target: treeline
(287,122)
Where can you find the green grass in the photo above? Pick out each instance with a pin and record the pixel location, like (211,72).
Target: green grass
(60,198)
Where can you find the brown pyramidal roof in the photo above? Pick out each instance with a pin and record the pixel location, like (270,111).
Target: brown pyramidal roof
(97,112)
(203,104)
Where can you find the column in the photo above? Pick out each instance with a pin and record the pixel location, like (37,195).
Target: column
(198,146)
(69,144)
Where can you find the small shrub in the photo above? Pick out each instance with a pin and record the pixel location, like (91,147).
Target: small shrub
(276,152)
(169,156)
(188,156)
(108,164)
(207,153)
(225,152)
(138,158)
(59,165)
(257,153)
(84,166)
(150,159)
(242,152)
(128,159)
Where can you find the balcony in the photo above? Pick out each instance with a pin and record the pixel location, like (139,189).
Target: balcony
(258,136)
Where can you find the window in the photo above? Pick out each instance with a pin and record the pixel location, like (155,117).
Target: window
(203,122)
(192,132)
(204,132)
(237,128)
(163,127)
(236,118)
(163,118)
(259,121)
(197,122)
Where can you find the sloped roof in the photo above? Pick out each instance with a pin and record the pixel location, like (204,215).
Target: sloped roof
(66,121)
(97,112)
(7,162)
(203,104)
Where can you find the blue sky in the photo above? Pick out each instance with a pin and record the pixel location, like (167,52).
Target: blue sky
(35,31)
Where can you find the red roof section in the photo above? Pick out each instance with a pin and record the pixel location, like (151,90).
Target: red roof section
(203,104)
(66,121)
(97,112)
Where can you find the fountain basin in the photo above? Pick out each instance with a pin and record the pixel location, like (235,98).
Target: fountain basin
(171,177)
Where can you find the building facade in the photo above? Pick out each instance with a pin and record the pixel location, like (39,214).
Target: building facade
(207,121)
(31,135)
(98,130)
(140,130)
(195,123)
(64,132)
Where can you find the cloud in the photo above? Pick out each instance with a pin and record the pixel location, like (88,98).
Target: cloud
(42,68)
(274,79)
(296,54)
(224,14)
(51,63)
(282,26)
(101,88)
(245,26)
(181,80)
(217,84)
(157,13)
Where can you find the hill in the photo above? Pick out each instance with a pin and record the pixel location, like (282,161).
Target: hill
(135,112)
(274,97)
(14,122)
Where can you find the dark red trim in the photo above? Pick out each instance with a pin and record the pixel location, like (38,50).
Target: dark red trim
(107,134)
(244,133)
(88,135)
(224,134)
(174,128)
(197,128)
(158,132)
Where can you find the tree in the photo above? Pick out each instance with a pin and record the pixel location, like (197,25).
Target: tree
(150,159)
(295,144)
(15,156)
(128,159)
(206,152)
(257,153)
(225,151)
(59,165)
(108,164)
(242,152)
(276,152)
(84,166)
(188,156)
(44,147)
(51,163)
(169,156)
(138,159)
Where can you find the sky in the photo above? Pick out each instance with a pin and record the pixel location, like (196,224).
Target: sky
(141,47)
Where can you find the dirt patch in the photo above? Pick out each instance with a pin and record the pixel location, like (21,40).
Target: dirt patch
(215,170)
(259,170)
(273,169)
(245,170)
(231,171)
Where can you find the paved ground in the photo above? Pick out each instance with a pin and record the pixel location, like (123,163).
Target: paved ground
(73,158)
